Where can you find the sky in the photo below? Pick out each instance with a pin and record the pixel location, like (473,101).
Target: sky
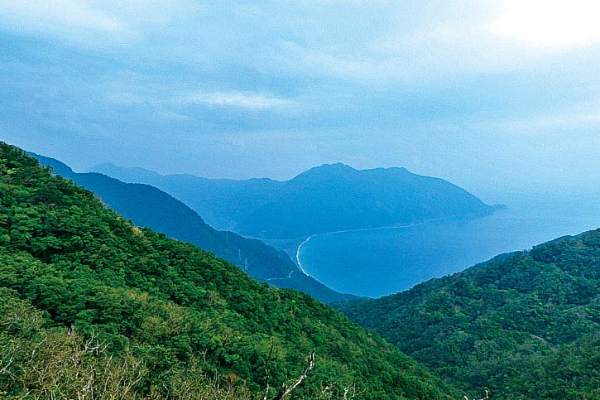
(496,96)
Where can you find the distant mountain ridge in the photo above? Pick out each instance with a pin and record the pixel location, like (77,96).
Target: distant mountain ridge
(92,306)
(148,206)
(328,198)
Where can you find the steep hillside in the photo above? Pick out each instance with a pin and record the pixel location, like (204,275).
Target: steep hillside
(91,302)
(324,199)
(524,325)
(222,202)
(148,206)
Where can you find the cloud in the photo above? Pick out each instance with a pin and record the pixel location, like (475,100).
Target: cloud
(105,25)
(150,95)
(566,122)
(396,77)
(370,42)
(58,16)
(172,115)
(549,22)
(236,99)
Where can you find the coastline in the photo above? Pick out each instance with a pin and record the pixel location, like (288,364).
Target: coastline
(299,249)
(298,263)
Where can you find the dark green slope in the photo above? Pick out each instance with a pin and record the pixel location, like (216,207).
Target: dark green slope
(525,325)
(222,202)
(148,206)
(328,198)
(176,313)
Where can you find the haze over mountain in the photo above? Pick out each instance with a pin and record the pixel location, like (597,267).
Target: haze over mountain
(93,306)
(150,207)
(476,92)
(497,99)
(524,325)
(328,198)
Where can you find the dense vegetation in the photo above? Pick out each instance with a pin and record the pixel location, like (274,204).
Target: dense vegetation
(524,325)
(90,305)
(54,363)
(150,207)
(324,199)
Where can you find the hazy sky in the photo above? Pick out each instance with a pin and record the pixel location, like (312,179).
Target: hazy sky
(492,95)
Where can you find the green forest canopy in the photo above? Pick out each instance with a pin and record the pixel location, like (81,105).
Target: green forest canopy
(524,325)
(89,291)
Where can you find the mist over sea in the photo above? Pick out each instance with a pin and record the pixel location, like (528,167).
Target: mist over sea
(379,262)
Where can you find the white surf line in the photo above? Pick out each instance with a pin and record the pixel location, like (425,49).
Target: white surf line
(358,230)
(298,254)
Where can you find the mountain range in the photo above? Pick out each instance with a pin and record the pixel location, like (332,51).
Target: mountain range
(328,198)
(92,306)
(89,301)
(150,207)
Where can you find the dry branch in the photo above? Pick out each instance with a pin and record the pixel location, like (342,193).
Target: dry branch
(285,391)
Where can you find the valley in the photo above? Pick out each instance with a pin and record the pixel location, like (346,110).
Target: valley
(299,200)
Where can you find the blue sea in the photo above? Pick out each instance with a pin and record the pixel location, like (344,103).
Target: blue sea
(379,262)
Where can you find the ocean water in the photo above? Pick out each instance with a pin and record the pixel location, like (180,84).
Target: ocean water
(378,262)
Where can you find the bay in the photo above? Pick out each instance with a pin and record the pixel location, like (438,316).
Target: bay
(378,262)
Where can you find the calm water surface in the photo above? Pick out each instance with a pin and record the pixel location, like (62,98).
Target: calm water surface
(384,261)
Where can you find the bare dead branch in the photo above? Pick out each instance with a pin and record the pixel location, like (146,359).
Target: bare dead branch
(487,396)
(347,391)
(5,370)
(267,371)
(285,391)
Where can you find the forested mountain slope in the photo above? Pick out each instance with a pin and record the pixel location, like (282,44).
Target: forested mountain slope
(148,206)
(90,303)
(525,325)
(328,198)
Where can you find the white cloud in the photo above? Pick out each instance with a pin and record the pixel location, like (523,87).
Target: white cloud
(550,22)
(94,24)
(564,122)
(174,116)
(127,98)
(57,16)
(370,42)
(237,99)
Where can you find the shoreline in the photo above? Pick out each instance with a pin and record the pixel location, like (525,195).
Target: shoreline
(298,263)
(299,249)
